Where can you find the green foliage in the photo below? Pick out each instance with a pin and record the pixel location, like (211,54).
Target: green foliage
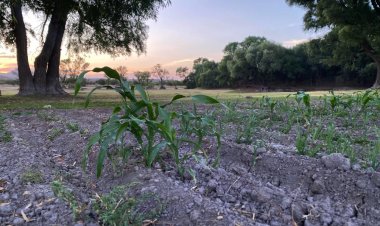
(67,195)
(143,78)
(141,118)
(301,142)
(72,126)
(5,135)
(54,133)
(355,25)
(32,176)
(119,208)
(260,63)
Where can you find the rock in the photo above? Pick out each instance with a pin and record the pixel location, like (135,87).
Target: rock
(5,209)
(4,197)
(198,200)
(325,218)
(309,222)
(286,202)
(356,167)
(298,213)
(336,161)
(361,183)
(318,187)
(376,178)
(195,215)
(260,151)
(18,220)
(261,194)
(212,185)
(350,223)
(239,169)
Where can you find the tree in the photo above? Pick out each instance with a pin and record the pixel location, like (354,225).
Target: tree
(357,23)
(122,71)
(114,27)
(72,68)
(181,72)
(143,77)
(160,73)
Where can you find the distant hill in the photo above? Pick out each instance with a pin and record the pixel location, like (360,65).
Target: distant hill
(8,76)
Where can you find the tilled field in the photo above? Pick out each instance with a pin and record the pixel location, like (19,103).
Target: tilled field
(271,186)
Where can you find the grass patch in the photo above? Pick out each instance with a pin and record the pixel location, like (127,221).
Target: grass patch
(54,133)
(5,135)
(32,176)
(72,126)
(119,208)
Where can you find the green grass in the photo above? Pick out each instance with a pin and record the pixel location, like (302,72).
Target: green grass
(32,176)
(5,135)
(107,98)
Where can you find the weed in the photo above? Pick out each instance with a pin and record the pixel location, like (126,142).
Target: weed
(54,133)
(66,195)
(32,176)
(72,126)
(119,208)
(46,115)
(5,135)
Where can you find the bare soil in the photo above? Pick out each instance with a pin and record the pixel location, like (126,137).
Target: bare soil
(274,186)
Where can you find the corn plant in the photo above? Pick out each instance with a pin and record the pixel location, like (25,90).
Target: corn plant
(301,142)
(245,129)
(148,122)
(374,153)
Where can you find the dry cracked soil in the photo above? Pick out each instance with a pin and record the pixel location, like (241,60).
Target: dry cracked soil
(274,186)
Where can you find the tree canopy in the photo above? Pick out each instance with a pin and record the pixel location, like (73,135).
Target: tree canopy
(115,27)
(355,23)
(258,62)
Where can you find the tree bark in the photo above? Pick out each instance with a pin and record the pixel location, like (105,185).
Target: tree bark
(24,72)
(53,85)
(376,58)
(41,61)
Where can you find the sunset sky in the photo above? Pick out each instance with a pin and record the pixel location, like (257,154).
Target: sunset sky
(189,29)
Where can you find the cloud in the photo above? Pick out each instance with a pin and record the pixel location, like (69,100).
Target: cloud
(7,56)
(177,62)
(7,67)
(294,42)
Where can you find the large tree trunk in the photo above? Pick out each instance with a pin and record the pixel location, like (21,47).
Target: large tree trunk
(24,72)
(376,58)
(41,61)
(53,85)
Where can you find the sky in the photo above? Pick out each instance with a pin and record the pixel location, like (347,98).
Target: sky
(189,29)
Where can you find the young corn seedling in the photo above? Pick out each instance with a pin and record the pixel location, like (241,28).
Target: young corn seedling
(139,117)
(301,142)
(374,153)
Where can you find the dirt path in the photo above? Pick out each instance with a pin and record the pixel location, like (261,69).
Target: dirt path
(274,187)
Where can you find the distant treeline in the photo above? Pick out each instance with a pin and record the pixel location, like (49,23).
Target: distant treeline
(257,62)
